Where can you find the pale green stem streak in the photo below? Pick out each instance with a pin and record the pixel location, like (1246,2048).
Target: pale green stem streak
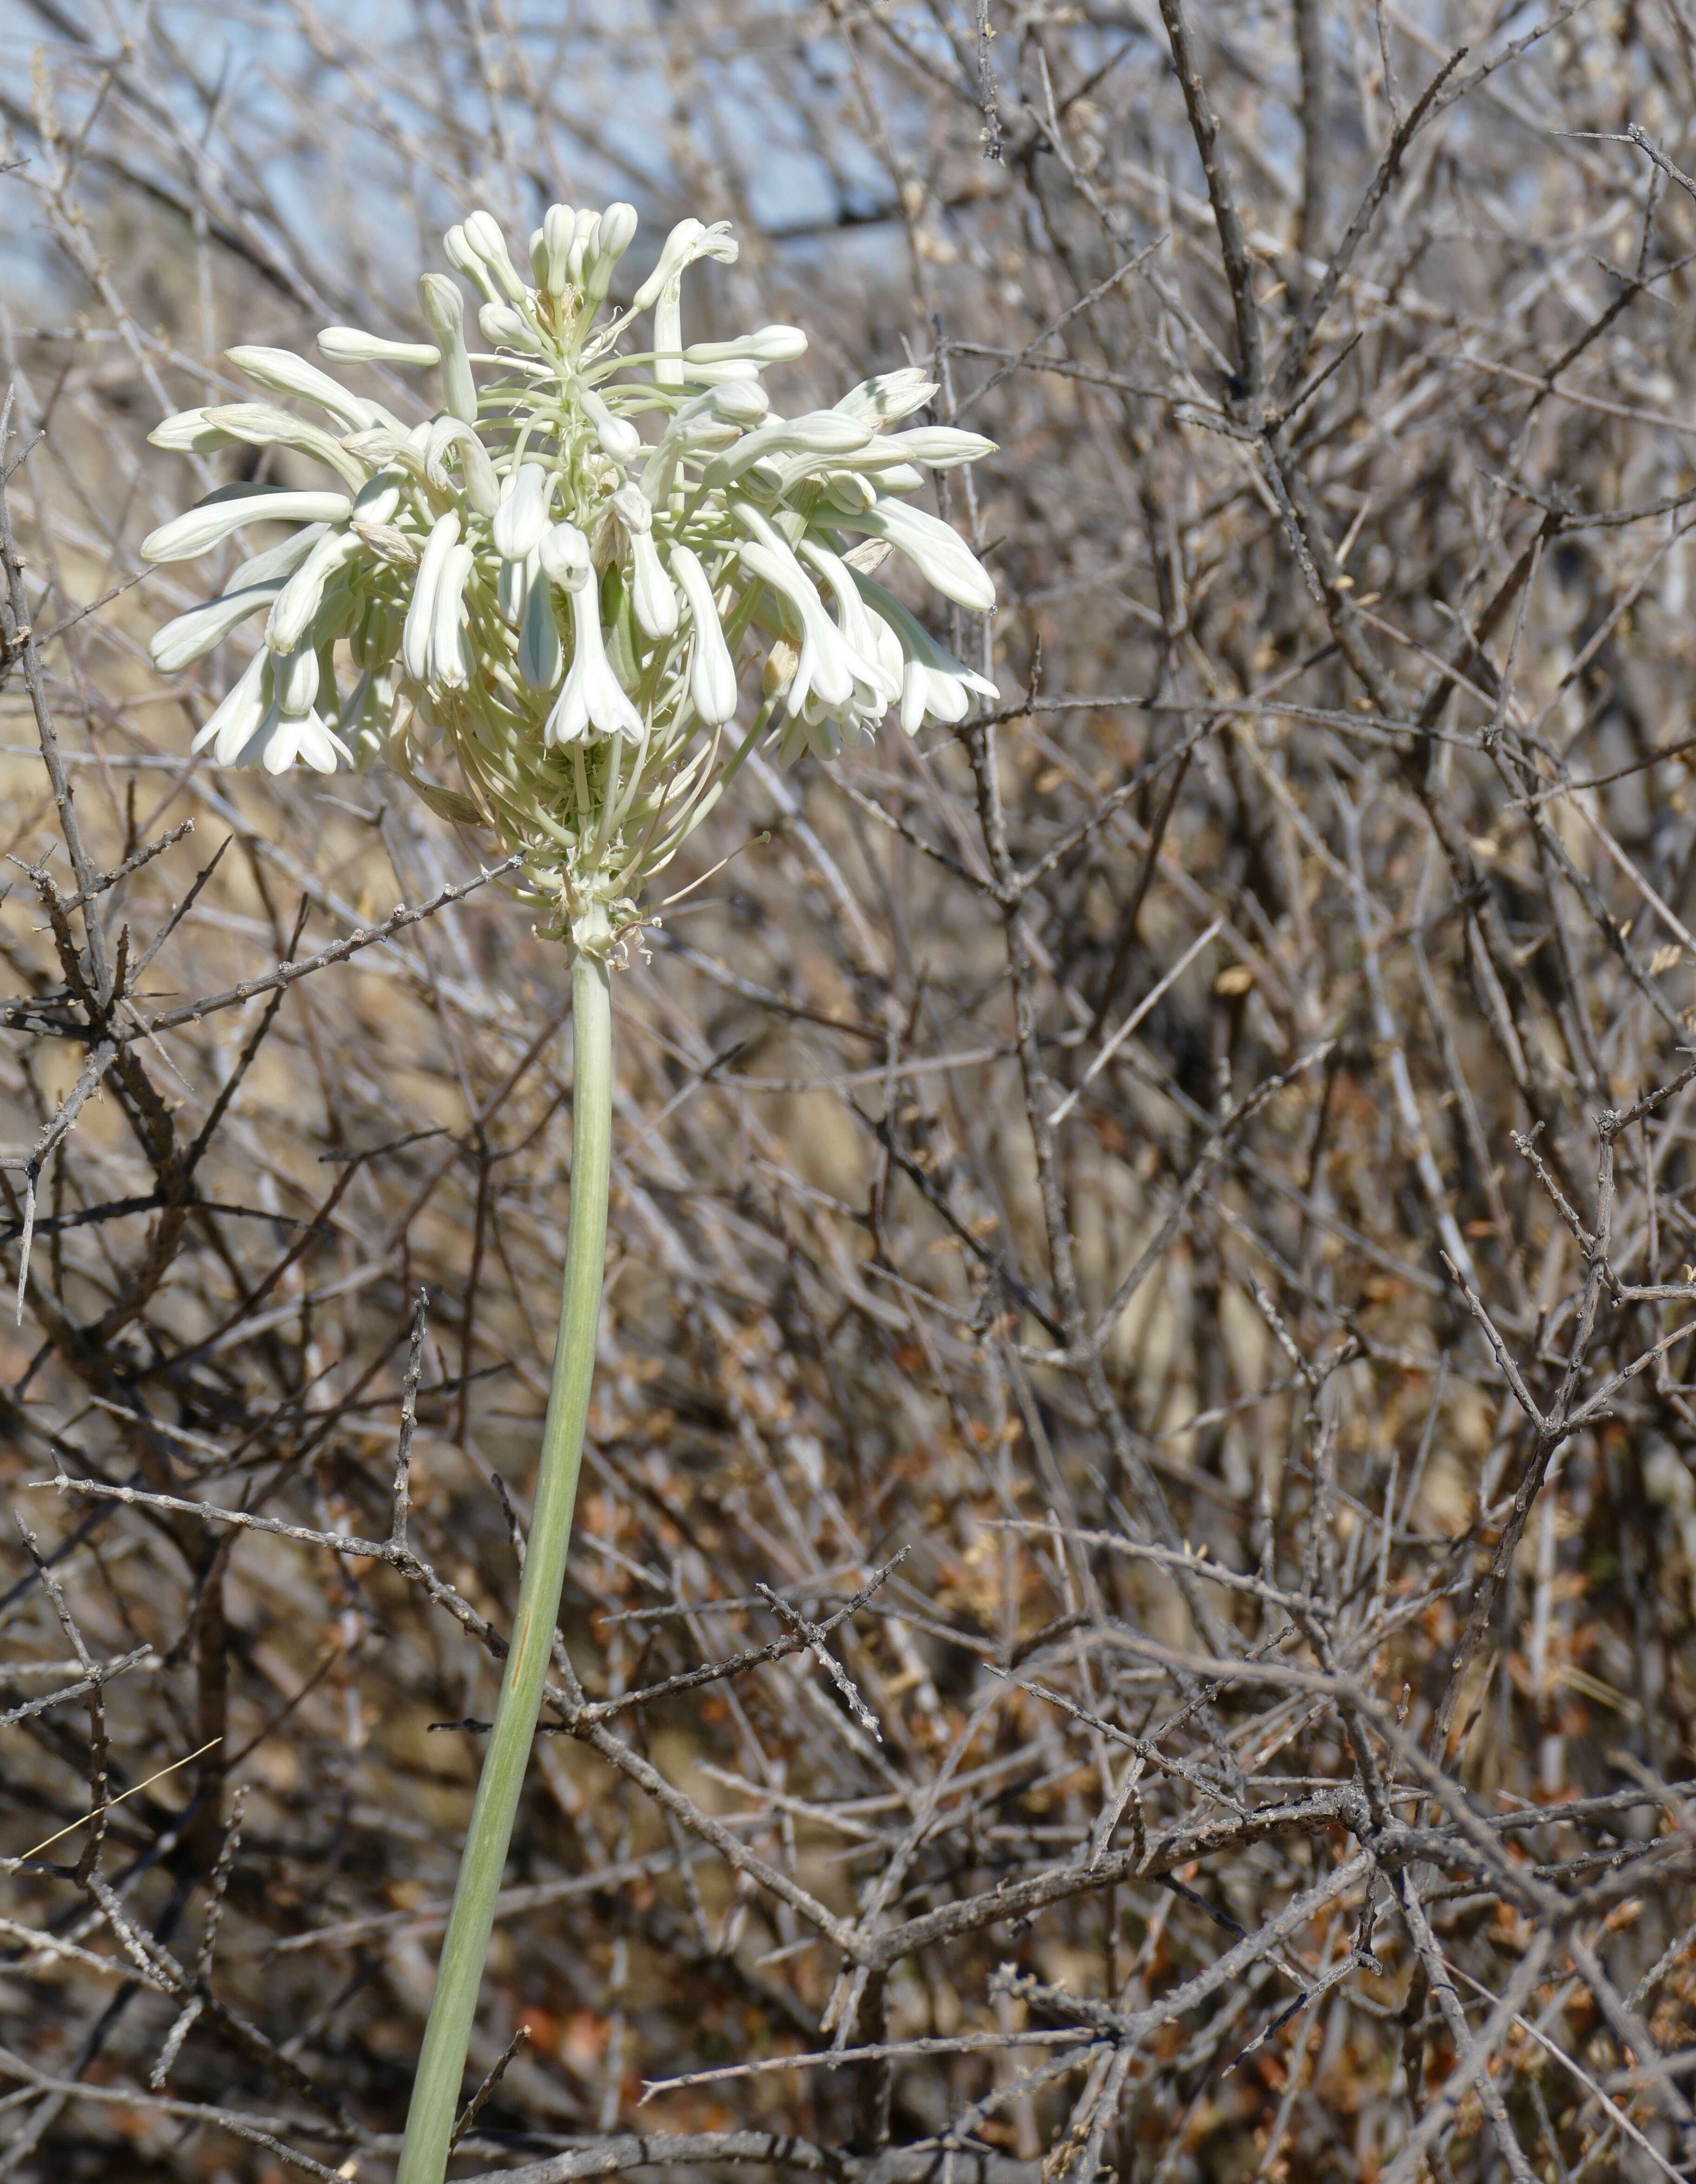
(442,2061)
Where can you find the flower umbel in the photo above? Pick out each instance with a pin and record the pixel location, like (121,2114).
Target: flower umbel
(552,580)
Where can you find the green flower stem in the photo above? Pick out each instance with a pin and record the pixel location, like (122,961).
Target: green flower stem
(442,2061)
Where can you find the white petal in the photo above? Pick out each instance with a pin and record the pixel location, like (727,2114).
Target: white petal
(769,345)
(280,371)
(712,672)
(521,522)
(186,537)
(349,345)
(231,724)
(301,596)
(935,549)
(448,663)
(444,313)
(888,397)
(192,635)
(415,642)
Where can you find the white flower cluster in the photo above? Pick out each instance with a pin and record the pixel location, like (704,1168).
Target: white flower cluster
(529,580)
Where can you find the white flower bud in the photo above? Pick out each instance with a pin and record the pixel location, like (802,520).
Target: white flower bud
(820,432)
(301,596)
(888,398)
(585,242)
(444,313)
(188,433)
(741,402)
(617,232)
(618,436)
(483,487)
(739,370)
(349,345)
(186,537)
(261,424)
(178,644)
(482,232)
(522,521)
(935,549)
(449,665)
(464,260)
(565,557)
(504,327)
(938,447)
(279,372)
(652,598)
(766,345)
(415,642)
(712,672)
(687,241)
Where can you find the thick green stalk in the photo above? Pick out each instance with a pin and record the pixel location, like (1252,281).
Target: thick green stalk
(442,2061)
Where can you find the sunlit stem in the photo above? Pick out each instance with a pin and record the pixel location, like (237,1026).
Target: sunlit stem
(442,2060)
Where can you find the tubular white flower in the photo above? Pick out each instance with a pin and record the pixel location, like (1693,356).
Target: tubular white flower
(464,260)
(821,432)
(449,664)
(938,447)
(285,738)
(483,232)
(687,241)
(349,345)
(652,597)
(521,522)
(618,436)
(185,537)
(712,672)
(279,372)
(295,678)
(829,668)
(559,224)
(592,697)
(452,435)
(766,345)
(279,560)
(192,635)
(935,549)
(188,433)
(415,642)
(935,684)
(232,724)
(444,314)
(858,626)
(301,596)
(617,233)
(889,396)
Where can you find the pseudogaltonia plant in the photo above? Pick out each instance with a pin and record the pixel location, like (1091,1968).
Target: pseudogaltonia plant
(554,583)
(557,575)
